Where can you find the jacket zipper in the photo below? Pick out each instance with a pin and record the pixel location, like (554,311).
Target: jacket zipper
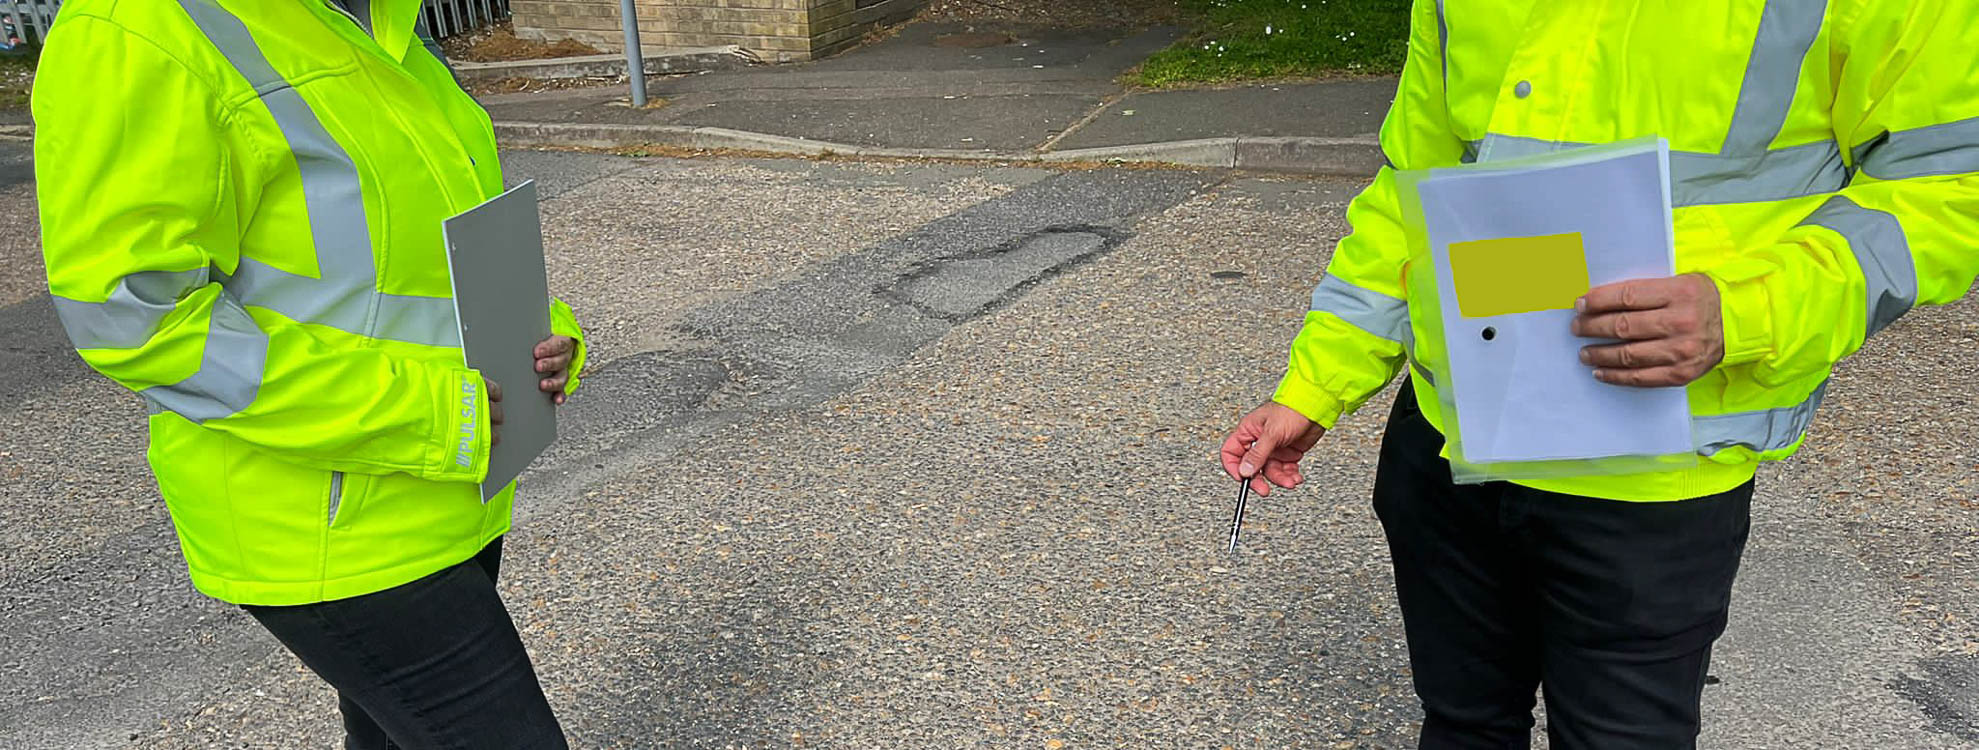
(336,494)
(347,14)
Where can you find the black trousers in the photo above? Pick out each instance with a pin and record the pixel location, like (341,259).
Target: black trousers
(1613,606)
(435,663)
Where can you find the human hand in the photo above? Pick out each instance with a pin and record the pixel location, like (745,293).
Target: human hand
(1267,445)
(553,363)
(1672,330)
(494,411)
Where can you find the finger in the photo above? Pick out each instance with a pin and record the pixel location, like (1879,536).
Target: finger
(1237,444)
(1639,294)
(494,438)
(1260,485)
(553,385)
(1628,326)
(1653,377)
(1639,355)
(494,390)
(1284,474)
(553,363)
(554,346)
(1290,454)
(494,413)
(560,398)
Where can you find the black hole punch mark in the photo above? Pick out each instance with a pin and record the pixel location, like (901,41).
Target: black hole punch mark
(1490,333)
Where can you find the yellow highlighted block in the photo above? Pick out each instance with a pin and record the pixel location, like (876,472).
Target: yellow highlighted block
(1518,274)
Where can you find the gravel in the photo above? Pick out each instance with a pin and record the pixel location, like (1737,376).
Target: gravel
(805,507)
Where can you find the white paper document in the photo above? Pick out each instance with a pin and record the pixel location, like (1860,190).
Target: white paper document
(502,300)
(1513,249)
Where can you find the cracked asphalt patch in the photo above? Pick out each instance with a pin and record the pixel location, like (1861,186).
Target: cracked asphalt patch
(1948,692)
(961,288)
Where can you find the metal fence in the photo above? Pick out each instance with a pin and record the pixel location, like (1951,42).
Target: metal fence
(30,18)
(444,18)
(449,18)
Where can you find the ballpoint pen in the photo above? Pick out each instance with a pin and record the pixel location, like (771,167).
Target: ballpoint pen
(1237,521)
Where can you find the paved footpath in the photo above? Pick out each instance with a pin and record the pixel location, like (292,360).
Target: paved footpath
(1036,91)
(915,456)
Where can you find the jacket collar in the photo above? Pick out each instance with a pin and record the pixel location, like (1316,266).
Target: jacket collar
(392,23)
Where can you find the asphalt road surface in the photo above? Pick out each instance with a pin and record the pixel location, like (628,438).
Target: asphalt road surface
(919,456)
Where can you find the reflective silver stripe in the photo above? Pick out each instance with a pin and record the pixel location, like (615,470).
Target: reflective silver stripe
(1374,312)
(1415,369)
(1787,30)
(345,296)
(229,373)
(417,320)
(1881,249)
(1780,174)
(132,313)
(1767,430)
(1700,179)
(1948,148)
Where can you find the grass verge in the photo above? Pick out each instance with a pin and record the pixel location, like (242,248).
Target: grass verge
(1237,40)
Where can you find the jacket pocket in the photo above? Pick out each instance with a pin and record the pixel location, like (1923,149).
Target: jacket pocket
(336,495)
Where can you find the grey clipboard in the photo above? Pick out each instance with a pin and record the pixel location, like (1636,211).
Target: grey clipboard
(502,300)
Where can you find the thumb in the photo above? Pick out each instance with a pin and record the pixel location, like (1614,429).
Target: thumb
(1253,461)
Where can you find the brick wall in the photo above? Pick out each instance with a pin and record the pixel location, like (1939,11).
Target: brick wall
(776,30)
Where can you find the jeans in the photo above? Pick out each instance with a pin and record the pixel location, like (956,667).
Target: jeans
(1613,606)
(435,663)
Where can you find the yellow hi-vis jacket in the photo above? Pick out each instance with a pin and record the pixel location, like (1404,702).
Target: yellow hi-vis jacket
(1823,168)
(241,206)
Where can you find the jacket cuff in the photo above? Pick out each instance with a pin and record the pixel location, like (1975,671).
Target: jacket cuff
(1309,399)
(467,440)
(563,322)
(1745,307)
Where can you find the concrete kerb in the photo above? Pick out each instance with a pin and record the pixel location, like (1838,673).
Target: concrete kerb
(1354,157)
(1351,157)
(1343,156)
(658,62)
(1205,152)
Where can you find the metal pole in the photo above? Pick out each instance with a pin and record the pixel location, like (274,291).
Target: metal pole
(635,59)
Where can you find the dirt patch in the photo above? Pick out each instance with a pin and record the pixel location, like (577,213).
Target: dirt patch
(522,85)
(1060,13)
(16,81)
(500,44)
